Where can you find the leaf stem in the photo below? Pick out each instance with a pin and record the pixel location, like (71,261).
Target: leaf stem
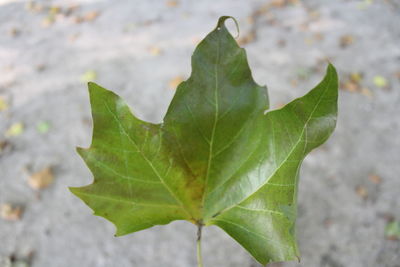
(199,257)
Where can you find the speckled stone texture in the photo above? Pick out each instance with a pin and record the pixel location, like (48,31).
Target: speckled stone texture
(136,48)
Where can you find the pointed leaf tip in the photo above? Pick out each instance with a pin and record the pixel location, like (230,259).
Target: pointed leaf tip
(221,23)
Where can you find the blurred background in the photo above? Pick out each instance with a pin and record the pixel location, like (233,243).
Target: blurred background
(349,195)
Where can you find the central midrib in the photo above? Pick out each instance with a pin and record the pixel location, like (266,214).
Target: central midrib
(210,152)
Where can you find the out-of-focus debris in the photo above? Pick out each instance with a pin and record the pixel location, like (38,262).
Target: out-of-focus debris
(294,82)
(78,19)
(362,191)
(41,179)
(130,27)
(368,93)
(20,263)
(155,50)
(397,75)
(356,77)
(328,222)
(54,10)
(314,14)
(11,261)
(33,6)
(281,43)
(43,127)
(353,85)
(247,38)
(346,40)
(10,212)
(4,146)
(365,4)
(250,19)
(174,82)
(88,76)
(14,32)
(375,179)
(15,129)
(40,67)
(48,21)
(350,86)
(172,3)
(91,15)
(3,103)
(71,9)
(73,37)
(87,121)
(283,3)
(392,230)
(303,73)
(53,14)
(380,81)
(317,37)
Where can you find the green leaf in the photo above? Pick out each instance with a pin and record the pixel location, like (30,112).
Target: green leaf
(217,158)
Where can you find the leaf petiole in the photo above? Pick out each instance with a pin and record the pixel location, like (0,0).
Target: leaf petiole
(199,257)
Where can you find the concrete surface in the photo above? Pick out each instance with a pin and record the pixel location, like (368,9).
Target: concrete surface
(136,48)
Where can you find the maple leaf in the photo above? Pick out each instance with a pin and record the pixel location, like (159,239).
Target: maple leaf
(217,159)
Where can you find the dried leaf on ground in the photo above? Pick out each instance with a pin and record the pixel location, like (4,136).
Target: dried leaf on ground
(43,127)
(172,3)
(155,51)
(362,191)
(91,15)
(71,9)
(304,73)
(20,263)
(392,230)
(353,84)
(40,67)
(3,144)
(88,76)
(356,77)
(41,179)
(365,4)
(174,82)
(247,38)
(48,21)
(346,40)
(375,179)
(380,81)
(10,212)
(54,10)
(15,129)
(14,32)
(367,92)
(3,104)
(350,86)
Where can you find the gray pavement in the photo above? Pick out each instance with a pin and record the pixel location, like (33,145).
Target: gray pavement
(136,48)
